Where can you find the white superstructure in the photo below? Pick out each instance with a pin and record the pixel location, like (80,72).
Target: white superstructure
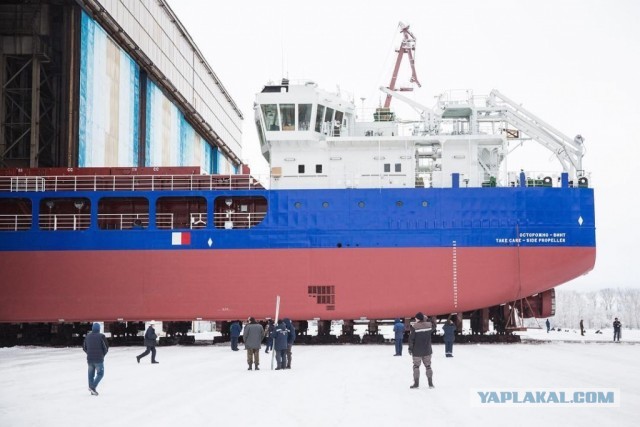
(311,140)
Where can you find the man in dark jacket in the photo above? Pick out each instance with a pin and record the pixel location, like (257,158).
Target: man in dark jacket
(398,329)
(235,334)
(617,326)
(150,342)
(268,331)
(420,347)
(96,347)
(252,337)
(449,330)
(290,340)
(280,338)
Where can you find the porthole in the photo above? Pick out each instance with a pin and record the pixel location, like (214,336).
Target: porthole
(297,205)
(425,203)
(361,204)
(399,203)
(325,204)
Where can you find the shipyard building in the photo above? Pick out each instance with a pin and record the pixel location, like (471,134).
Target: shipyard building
(110,83)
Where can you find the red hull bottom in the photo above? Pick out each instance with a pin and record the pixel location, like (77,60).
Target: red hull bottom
(234,284)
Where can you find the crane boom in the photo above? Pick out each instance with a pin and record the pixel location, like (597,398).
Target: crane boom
(407,47)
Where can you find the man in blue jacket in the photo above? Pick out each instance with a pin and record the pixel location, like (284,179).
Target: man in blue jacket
(449,330)
(96,347)
(235,334)
(291,339)
(398,329)
(280,338)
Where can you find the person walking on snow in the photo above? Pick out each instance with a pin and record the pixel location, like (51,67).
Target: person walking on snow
(96,347)
(398,329)
(581,327)
(150,342)
(548,325)
(420,348)
(252,336)
(449,330)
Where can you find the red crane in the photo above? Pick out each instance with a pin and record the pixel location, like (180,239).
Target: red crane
(407,46)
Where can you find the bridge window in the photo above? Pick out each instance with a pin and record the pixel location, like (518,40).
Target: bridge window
(387,167)
(288,112)
(72,213)
(271,118)
(181,212)
(15,214)
(239,212)
(398,167)
(121,213)
(337,123)
(319,116)
(328,121)
(318,168)
(300,168)
(304,116)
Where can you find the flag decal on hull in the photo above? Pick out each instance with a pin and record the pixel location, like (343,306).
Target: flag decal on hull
(178,239)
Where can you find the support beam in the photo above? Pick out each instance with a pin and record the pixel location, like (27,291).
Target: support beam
(35,112)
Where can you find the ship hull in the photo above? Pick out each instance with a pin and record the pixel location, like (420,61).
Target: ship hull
(329,283)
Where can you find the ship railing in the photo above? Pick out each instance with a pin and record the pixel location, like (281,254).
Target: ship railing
(235,220)
(15,222)
(546,179)
(123,221)
(128,183)
(22,183)
(64,221)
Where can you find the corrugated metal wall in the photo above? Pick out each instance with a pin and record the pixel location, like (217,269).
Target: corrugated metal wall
(109,123)
(109,101)
(170,139)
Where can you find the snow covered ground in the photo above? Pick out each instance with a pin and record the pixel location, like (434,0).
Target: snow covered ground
(340,385)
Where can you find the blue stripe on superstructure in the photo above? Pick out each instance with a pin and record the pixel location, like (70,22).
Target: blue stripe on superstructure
(483,217)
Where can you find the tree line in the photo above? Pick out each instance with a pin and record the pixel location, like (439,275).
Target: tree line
(597,308)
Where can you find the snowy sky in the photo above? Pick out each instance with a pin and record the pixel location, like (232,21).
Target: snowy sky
(573,63)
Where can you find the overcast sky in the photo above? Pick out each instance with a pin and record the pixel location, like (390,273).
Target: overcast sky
(575,64)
